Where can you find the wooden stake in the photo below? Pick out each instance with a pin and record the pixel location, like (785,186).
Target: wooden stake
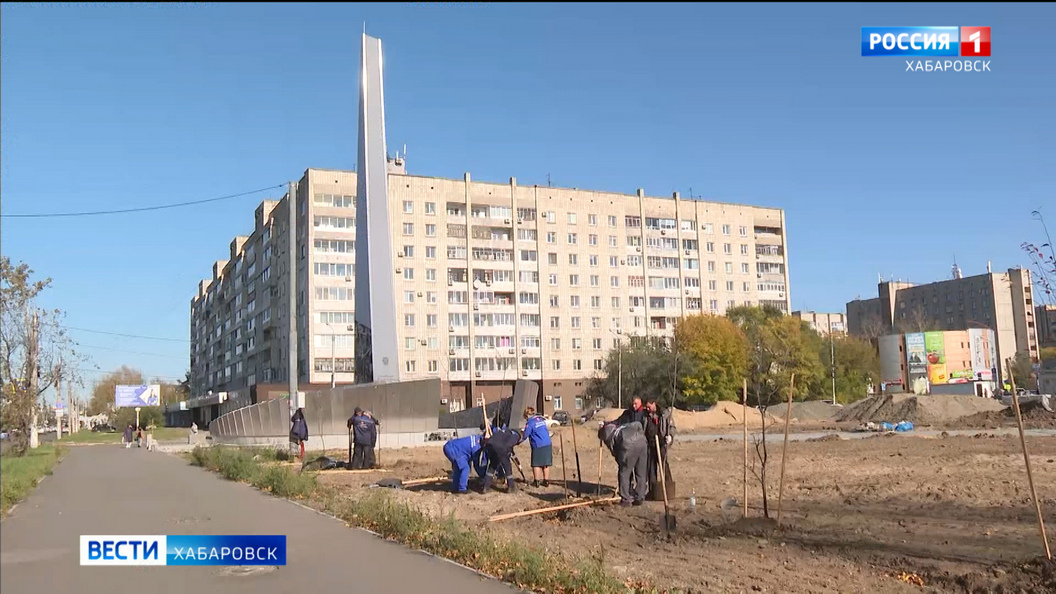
(425,481)
(351,471)
(745,507)
(579,471)
(1030,475)
(544,510)
(600,446)
(784,450)
(564,475)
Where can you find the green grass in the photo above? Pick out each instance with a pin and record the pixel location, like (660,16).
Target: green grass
(19,475)
(89,436)
(527,567)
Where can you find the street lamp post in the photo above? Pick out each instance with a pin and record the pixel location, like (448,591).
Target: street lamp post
(619,366)
(832,360)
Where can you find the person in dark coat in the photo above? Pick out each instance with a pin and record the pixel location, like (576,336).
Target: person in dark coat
(659,425)
(636,413)
(627,445)
(364,436)
(299,429)
(128,436)
(499,450)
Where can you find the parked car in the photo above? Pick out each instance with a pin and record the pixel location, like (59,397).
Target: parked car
(560,418)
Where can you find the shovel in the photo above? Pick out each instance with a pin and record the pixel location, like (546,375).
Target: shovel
(395,483)
(668,524)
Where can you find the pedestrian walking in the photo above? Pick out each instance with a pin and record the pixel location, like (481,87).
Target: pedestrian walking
(127,437)
(542,446)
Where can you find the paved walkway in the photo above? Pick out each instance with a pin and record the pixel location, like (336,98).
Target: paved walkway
(111,490)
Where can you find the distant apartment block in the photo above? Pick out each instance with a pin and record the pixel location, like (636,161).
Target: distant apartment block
(1045,316)
(1002,302)
(823,323)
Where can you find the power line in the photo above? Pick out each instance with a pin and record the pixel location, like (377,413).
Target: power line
(141,209)
(128,335)
(92,346)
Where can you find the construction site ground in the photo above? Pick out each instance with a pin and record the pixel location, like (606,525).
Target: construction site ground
(886,513)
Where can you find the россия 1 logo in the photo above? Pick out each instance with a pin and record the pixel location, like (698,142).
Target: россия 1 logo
(930,42)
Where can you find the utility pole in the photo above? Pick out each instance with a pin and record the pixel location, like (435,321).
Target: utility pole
(75,420)
(619,381)
(292,345)
(58,397)
(832,360)
(31,358)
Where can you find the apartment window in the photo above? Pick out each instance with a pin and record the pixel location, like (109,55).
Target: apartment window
(408,274)
(615,301)
(598,365)
(593,260)
(551,237)
(553,280)
(707,228)
(613,241)
(557,364)
(575,322)
(727,248)
(573,280)
(555,344)
(550,216)
(408,251)
(430,274)
(614,281)
(576,365)
(571,218)
(592,239)
(408,207)
(597,344)
(725,229)
(746,286)
(595,322)
(408,320)
(573,259)
(408,296)
(430,252)
(744,248)
(711,265)
(729,285)
(433,366)
(430,230)
(555,322)
(408,343)
(408,228)
(430,209)
(710,247)
(529,256)
(712,285)
(614,261)
(555,301)
(574,301)
(577,343)
(595,302)
(572,239)
(410,367)
(431,320)
(594,280)
(729,268)
(612,221)
(551,259)
(430,297)
(744,268)
(744,231)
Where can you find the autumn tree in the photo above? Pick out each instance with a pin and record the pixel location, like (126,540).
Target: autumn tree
(647,370)
(102,401)
(857,363)
(713,358)
(33,345)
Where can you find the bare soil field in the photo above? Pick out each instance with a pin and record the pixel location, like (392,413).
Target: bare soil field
(887,513)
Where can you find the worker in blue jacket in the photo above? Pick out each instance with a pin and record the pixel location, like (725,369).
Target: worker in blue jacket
(542,449)
(462,452)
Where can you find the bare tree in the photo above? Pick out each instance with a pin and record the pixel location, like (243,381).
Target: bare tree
(916,320)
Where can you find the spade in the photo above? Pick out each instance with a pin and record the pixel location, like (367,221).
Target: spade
(668,523)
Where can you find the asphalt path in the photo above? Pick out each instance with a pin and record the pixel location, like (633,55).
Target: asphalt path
(107,489)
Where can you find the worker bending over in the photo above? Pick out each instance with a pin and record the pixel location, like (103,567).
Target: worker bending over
(499,450)
(627,445)
(461,452)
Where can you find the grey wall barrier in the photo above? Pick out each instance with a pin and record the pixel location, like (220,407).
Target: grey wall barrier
(408,412)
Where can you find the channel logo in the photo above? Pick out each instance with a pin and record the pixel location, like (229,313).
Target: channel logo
(926,41)
(183,550)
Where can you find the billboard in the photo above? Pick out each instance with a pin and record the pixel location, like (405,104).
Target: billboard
(958,357)
(916,356)
(982,353)
(891,359)
(935,346)
(133,396)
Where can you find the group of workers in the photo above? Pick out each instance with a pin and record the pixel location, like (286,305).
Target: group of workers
(638,440)
(492,454)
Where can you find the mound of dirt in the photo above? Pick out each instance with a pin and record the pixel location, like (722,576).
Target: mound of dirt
(1034,417)
(723,414)
(814,410)
(921,410)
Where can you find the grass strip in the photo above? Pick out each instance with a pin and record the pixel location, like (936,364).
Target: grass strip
(528,568)
(19,475)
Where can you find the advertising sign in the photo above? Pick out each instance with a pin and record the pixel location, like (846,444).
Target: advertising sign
(935,346)
(916,356)
(982,363)
(891,359)
(958,357)
(133,396)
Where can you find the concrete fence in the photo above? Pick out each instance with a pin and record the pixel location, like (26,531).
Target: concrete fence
(408,412)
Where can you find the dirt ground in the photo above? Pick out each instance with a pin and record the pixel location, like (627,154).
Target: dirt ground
(954,513)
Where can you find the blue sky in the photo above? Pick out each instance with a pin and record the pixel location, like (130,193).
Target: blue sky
(879,170)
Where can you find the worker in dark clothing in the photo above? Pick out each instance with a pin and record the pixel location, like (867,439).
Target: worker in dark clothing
(659,426)
(461,452)
(499,450)
(299,429)
(635,414)
(627,445)
(364,435)
(371,463)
